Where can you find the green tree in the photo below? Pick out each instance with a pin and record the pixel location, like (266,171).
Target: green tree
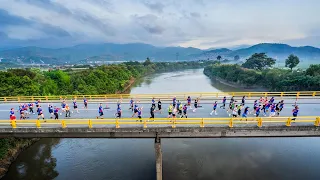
(313,70)
(259,61)
(292,61)
(236,57)
(147,62)
(219,58)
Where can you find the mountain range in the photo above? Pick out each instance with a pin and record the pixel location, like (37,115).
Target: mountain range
(137,52)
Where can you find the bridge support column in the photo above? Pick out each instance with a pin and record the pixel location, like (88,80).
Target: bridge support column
(157,147)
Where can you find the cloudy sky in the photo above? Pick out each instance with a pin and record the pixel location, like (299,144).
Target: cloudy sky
(196,23)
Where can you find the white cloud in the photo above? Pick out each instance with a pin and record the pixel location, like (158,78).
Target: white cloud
(203,24)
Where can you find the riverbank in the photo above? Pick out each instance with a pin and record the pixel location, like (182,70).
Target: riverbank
(10,150)
(237,85)
(270,79)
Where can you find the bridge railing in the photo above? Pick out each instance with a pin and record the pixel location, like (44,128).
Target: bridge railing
(161,122)
(182,95)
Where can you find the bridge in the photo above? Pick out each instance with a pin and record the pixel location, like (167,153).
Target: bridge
(85,124)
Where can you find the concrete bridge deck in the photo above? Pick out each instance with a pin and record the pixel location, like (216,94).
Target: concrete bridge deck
(164,132)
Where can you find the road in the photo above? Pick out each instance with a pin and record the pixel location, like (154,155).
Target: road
(308,107)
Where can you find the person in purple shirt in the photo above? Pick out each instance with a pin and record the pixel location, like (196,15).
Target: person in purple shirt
(224,102)
(174,101)
(100,111)
(56,112)
(295,112)
(118,114)
(214,108)
(40,113)
(75,106)
(189,101)
(85,102)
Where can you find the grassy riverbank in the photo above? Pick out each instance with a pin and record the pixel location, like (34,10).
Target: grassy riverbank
(272,79)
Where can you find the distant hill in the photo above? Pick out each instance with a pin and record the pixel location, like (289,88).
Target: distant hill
(139,51)
(278,51)
(113,52)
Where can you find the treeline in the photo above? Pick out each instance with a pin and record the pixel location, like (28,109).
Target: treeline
(99,80)
(274,79)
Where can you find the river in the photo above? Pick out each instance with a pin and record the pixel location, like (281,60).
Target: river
(134,159)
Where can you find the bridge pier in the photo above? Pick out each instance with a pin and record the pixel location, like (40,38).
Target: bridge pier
(157,147)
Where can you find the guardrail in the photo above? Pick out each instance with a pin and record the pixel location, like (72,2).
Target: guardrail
(183,95)
(145,122)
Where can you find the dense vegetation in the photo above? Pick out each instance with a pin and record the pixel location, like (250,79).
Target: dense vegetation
(256,71)
(98,80)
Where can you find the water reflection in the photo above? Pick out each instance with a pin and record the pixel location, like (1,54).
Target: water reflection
(37,162)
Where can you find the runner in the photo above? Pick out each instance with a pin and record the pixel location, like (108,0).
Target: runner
(135,110)
(75,106)
(153,103)
(261,100)
(31,108)
(159,106)
(231,104)
(50,109)
(189,102)
(232,99)
(278,108)
(245,113)
(295,112)
(56,112)
(22,116)
(174,101)
(152,109)
(235,111)
(239,107)
(243,101)
(185,109)
(67,110)
(40,112)
(12,116)
(25,109)
(100,111)
(271,100)
(231,107)
(119,112)
(224,103)
(178,105)
(131,104)
(85,102)
(281,105)
(255,105)
(195,104)
(258,111)
(174,113)
(214,109)
(37,104)
(118,104)
(266,108)
(180,108)
(63,107)
(272,110)
(140,113)
(170,109)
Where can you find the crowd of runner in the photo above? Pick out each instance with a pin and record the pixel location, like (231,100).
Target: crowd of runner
(176,109)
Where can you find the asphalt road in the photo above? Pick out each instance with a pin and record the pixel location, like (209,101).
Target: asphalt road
(307,107)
